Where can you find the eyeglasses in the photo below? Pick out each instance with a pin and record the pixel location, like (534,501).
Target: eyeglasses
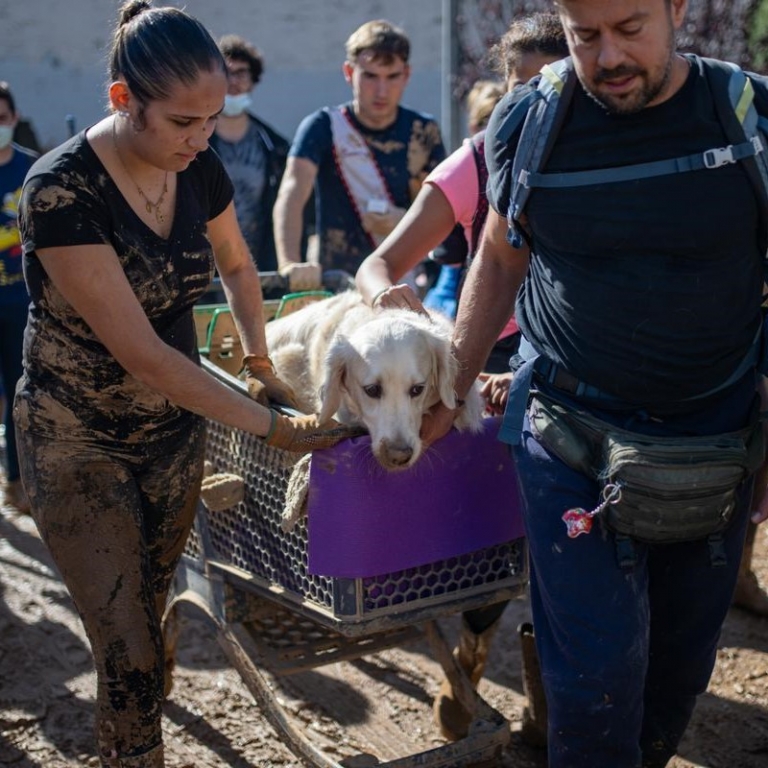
(239,74)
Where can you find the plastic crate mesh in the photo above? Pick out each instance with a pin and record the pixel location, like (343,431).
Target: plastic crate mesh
(248,537)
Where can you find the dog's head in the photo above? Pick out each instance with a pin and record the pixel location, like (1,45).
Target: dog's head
(385,375)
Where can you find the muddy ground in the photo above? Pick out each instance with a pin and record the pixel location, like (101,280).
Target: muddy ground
(381,702)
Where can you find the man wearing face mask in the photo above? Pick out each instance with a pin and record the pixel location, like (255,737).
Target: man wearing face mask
(253,153)
(15,161)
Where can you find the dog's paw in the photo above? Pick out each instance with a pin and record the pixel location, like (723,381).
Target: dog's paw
(470,417)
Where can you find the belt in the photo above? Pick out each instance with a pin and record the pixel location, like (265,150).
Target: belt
(532,364)
(565,381)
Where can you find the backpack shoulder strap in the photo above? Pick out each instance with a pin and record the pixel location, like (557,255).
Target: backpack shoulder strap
(739,98)
(481,210)
(736,95)
(541,113)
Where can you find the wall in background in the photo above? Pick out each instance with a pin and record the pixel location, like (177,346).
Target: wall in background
(54,54)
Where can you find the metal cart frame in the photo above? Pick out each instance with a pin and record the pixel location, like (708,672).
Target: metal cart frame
(273,618)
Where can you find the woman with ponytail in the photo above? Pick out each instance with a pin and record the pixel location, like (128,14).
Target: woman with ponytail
(122,227)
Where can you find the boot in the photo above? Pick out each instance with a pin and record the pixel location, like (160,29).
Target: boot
(471,653)
(749,595)
(534,731)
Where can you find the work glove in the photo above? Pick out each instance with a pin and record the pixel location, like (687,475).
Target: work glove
(263,383)
(382,224)
(302,434)
(303,276)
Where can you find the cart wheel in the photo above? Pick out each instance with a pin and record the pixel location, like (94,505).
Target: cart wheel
(170,638)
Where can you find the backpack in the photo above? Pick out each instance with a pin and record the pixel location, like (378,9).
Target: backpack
(481,210)
(541,113)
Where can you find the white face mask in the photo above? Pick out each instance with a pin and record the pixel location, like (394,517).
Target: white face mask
(235,105)
(6,135)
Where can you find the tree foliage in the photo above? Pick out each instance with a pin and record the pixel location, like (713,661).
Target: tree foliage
(757,36)
(735,30)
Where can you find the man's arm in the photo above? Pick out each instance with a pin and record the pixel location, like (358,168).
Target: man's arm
(295,189)
(487,299)
(487,302)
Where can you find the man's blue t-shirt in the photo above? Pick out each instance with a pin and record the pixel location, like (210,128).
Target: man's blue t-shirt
(405,153)
(11,178)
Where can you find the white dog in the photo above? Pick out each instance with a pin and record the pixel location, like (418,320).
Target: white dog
(380,369)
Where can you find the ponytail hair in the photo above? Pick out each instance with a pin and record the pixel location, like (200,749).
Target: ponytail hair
(153,49)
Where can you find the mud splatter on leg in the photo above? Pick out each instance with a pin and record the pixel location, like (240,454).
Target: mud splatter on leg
(116,552)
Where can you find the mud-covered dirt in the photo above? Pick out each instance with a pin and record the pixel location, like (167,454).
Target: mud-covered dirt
(384,700)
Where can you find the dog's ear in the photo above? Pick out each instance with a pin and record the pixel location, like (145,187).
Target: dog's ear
(445,369)
(334,375)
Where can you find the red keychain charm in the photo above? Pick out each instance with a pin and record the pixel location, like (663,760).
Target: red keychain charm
(577,520)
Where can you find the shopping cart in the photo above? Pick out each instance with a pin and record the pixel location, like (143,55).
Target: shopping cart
(274,617)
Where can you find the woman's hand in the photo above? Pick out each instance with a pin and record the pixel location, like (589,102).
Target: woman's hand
(495,390)
(302,434)
(398,296)
(264,385)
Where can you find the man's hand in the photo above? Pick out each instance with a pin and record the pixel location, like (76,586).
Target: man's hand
(303,276)
(264,385)
(382,224)
(436,423)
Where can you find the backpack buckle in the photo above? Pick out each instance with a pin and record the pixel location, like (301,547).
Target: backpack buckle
(714,158)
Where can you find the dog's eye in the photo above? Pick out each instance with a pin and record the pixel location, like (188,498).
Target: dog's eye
(416,390)
(373,390)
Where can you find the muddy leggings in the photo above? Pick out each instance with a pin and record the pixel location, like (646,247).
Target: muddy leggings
(115,522)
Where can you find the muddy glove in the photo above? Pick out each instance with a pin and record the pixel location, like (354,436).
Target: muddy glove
(263,384)
(302,434)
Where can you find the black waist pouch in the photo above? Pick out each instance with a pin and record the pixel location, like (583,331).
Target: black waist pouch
(663,489)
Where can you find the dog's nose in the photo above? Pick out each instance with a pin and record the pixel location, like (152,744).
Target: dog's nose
(397,454)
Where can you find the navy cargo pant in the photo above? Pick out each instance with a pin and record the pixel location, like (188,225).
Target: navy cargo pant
(624,651)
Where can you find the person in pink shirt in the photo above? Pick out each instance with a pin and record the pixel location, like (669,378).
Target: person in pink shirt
(453,196)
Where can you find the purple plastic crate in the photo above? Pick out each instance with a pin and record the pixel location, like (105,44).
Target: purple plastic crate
(363,521)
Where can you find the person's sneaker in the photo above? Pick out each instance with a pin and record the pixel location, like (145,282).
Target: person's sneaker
(16,496)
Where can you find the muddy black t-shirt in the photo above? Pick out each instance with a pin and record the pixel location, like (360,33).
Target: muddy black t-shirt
(72,386)
(647,289)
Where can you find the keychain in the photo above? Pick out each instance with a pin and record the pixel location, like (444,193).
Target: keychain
(578,520)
